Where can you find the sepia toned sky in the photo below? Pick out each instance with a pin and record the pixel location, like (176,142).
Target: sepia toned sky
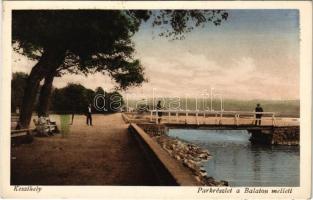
(253,55)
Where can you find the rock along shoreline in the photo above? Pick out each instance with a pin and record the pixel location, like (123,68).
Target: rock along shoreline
(189,155)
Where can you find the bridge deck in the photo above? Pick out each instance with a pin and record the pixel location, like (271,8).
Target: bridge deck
(200,120)
(220,127)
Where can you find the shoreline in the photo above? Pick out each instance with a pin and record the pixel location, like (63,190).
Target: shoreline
(189,155)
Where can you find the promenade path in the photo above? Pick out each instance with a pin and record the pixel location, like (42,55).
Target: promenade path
(104,154)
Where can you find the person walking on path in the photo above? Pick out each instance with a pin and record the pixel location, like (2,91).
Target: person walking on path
(258,116)
(89,117)
(159,107)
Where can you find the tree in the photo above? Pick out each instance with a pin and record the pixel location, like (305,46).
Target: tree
(89,41)
(45,95)
(100,100)
(99,90)
(108,101)
(114,101)
(18,82)
(73,98)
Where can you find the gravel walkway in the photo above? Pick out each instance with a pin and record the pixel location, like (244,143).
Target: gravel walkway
(104,154)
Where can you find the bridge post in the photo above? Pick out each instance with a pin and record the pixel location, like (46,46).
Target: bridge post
(151,113)
(177,117)
(273,119)
(215,120)
(236,123)
(169,116)
(253,119)
(221,116)
(156,117)
(236,119)
(186,117)
(204,117)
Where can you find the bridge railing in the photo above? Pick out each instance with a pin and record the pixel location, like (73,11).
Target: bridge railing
(218,115)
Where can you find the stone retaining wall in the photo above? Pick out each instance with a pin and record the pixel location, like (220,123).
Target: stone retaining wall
(188,155)
(276,136)
(154,129)
(167,170)
(286,136)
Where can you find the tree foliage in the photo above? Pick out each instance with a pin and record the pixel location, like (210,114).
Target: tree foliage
(89,41)
(175,23)
(18,83)
(74,98)
(114,101)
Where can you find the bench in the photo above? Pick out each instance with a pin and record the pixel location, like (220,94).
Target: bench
(45,127)
(21,132)
(22,136)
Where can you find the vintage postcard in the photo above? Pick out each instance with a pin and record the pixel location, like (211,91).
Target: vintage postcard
(156,100)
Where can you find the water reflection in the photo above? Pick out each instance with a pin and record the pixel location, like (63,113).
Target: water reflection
(242,164)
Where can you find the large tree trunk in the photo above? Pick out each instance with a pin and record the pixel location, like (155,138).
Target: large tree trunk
(51,59)
(45,95)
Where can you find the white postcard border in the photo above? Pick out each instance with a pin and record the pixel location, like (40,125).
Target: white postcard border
(127,192)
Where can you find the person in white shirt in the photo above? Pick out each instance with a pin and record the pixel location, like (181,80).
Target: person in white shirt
(89,117)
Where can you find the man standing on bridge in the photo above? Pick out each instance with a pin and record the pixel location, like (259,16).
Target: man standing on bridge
(159,107)
(258,116)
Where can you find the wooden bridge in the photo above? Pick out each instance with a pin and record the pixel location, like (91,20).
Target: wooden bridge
(220,117)
(271,130)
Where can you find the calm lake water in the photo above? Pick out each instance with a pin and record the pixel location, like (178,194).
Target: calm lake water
(242,164)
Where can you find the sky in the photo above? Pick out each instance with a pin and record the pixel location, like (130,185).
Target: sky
(252,55)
